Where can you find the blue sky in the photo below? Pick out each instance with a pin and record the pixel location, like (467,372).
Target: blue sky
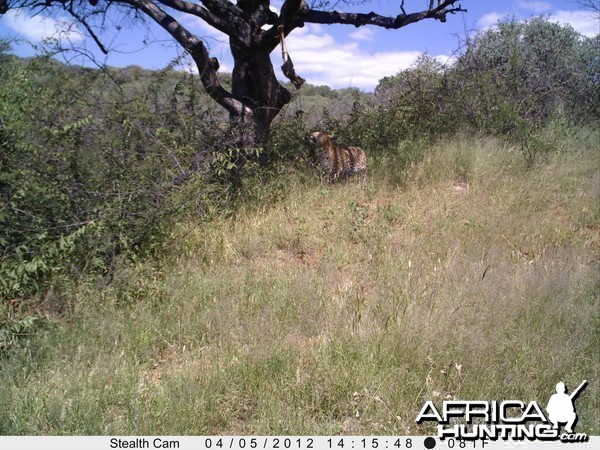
(335,55)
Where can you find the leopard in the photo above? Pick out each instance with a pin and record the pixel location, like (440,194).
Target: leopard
(339,162)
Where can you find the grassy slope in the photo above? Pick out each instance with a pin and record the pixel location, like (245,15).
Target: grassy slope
(340,309)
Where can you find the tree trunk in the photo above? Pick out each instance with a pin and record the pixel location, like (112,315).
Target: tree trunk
(255,84)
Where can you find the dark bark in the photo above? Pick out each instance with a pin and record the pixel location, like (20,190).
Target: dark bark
(439,12)
(255,83)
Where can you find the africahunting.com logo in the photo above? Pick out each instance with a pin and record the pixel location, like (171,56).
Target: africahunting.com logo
(510,419)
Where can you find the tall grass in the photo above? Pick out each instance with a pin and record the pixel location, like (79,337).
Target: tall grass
(339,308)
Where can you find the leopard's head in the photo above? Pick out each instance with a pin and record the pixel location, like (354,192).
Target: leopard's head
(318,138)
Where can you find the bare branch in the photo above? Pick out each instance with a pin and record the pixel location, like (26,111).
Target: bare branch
(591,5)
(198,11)
(220,14)
(207,66)
(224,8)
(88,28)
(289,11)
(358,19)
(288,19)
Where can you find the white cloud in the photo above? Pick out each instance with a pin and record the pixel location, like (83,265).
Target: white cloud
(39,28)
(320,59)
(446,60)
(584,22)
(536,7)
(363,34)
(490,19)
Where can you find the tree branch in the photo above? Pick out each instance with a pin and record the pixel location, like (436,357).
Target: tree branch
(220,14)
(290,10)
(358,19)
(88,28)
(207,66)
(221,5)
(198,11)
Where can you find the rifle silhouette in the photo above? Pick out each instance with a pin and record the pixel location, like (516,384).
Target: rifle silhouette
(576,391)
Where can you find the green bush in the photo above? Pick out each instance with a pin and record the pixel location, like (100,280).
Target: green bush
(521,75)
(92,170)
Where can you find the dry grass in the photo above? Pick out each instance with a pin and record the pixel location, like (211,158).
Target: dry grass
(340,309)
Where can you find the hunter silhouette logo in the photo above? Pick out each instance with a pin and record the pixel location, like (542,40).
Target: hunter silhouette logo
(508,419)
(560,406)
